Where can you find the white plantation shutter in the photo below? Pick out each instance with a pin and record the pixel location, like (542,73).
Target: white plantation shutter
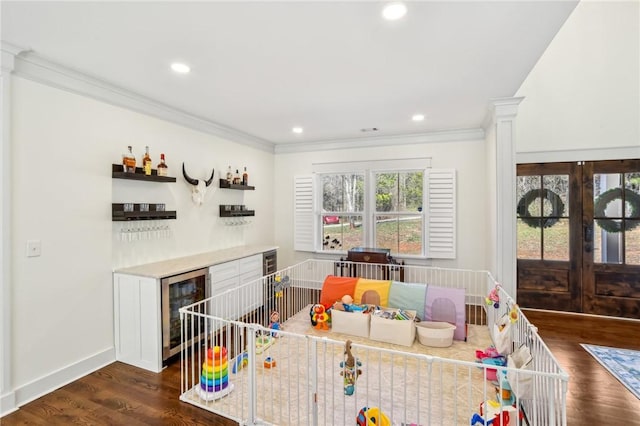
(303,217)
(441,213)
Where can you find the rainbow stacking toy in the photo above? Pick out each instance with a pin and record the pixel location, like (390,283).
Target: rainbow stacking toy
(214,380)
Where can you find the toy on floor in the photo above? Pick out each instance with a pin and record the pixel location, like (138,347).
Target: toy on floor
(495,421)
(504,392)
(274,322)
(493,298)
(280,284)
(269,362)
(350,370)
(263,341)
(241,361)
(320,318)
(490,414)
(492,373)
(490,352)
(214,380)
(372,416)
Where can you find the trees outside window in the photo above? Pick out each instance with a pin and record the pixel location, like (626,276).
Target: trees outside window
(389,215)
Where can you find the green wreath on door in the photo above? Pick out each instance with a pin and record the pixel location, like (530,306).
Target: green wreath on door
(557,208)
(615,225)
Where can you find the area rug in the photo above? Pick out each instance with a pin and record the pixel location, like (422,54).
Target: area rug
(624,364)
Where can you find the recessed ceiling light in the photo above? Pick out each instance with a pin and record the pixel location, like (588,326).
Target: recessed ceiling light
(394,11)
(297,130)
(417,117)
(180,68)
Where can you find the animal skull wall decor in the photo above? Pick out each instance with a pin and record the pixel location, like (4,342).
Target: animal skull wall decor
(199,188)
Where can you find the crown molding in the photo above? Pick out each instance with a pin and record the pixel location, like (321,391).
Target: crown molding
(501,108)
(34,67)
(9,52)
(593,154)
(417,138)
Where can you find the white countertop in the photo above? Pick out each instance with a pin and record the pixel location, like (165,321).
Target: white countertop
(167,268)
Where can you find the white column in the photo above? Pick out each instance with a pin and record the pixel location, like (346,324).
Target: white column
(7,395)
(504,120)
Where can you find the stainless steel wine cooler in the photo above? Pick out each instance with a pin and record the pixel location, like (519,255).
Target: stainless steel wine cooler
(178,291)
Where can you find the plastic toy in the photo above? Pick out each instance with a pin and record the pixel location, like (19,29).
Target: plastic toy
(214,378)
(490,414)
(350,370)
(492,373)
(513,313)
(490,352)
(347,304)
(493,298)
(280,284)
(269,362)
(319,318)
(263,341)
(495,421)
(241,361)
(372,416)
(275,322)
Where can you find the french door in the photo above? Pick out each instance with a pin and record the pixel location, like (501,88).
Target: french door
(578,232)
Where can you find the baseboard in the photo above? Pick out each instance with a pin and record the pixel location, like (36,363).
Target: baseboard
(8,403)
(44,385)
(580,314)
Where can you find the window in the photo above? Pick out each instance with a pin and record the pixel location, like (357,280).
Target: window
(411,211)
(399,221)
(342,210)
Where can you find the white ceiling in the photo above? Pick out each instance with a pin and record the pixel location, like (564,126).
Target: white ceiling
(333,68)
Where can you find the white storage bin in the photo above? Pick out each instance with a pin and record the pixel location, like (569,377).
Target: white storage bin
(354,323)
(435,334)
(398,332)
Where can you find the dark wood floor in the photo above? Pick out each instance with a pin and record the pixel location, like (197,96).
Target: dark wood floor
(595,397)
(123,395)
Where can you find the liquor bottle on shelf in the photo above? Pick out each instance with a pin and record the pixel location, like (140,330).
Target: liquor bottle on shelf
(129,161)
(146,162)
(162,166)
(245,177)
(229,176)
(236,179)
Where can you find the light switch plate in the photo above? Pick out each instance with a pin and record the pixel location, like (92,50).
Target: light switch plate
(34,248)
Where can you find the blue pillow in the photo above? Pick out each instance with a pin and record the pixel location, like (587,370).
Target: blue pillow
(408,296)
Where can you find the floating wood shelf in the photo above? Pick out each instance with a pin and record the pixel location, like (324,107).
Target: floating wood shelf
(235,213)
(117,172)
(225,184)
(119,215)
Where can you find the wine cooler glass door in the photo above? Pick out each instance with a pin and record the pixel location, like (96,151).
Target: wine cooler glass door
(179,291)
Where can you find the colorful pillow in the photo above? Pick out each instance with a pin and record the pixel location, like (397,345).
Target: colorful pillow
(379,286)
(334,288)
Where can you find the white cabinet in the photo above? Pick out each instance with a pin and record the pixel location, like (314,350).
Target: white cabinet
(138,324)
(238,281)
(139,311)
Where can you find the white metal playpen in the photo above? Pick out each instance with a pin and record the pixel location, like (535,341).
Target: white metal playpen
(244,370)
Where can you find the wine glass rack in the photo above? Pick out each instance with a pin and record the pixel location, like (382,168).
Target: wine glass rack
(118,213)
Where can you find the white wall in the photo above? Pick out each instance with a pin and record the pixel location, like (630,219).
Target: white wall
(466,157)
(63,147)
(584,92)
